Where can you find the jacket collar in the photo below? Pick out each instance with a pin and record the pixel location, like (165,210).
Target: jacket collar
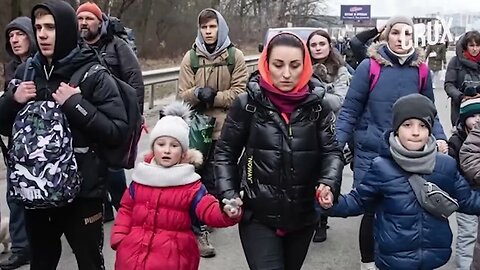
(377,52)
(151,174)
(254,91)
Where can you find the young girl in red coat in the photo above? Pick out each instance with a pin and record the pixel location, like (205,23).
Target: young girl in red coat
(153,228)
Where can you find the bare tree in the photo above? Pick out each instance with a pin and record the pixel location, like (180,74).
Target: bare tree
(165,28)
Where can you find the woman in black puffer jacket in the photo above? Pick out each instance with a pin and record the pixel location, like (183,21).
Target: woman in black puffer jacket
(290,150)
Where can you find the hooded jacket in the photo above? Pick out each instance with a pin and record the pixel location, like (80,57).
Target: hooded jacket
(23,24)
(437,57)
(218,77)
(407,236)
(470,164)
(457,68)
(337,86)
(96,116)
(469,153)
(455,143)
(360,43)
(121,60)
(366,114)
(153,228)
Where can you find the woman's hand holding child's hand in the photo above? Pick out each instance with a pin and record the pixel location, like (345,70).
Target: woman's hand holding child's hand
(325,196)
(232,207)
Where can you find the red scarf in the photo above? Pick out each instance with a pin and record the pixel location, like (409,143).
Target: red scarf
(470,57)
(286,102)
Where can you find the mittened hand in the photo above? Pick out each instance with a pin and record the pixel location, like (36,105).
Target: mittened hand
(232,207)
(206,95)
(324,196)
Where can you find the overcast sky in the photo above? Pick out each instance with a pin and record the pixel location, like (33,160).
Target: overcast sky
(408,7)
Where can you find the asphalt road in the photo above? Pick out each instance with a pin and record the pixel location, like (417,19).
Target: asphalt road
(340,251)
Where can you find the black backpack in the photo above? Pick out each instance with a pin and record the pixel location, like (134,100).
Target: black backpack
(116,27)
(124,155)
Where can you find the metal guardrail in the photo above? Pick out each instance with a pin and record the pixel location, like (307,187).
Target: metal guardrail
(167,75)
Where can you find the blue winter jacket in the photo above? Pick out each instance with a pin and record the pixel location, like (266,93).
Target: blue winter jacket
(367,115)
(406,236)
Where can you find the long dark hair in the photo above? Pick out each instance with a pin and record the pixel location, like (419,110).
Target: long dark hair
(285,39)
(334,60)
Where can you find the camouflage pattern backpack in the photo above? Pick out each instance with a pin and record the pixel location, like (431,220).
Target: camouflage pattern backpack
(42,167)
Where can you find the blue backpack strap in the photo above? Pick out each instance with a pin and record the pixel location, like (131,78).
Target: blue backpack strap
(198,196)
(131,190)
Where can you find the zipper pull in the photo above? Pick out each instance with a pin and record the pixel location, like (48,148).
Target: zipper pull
(290,133)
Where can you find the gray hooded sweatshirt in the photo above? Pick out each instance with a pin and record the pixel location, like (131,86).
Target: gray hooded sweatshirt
(223,41)
(23,24)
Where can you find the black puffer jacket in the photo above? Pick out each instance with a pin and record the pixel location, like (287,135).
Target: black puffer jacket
(457,68)
(283,163)
(359,44)
(121,60)
(96,116)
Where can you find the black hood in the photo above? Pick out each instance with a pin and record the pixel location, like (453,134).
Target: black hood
(23,24)
(65,67)
(66,26)
(463,60)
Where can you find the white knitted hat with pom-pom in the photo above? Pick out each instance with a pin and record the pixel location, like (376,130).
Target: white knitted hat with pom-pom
(174,123)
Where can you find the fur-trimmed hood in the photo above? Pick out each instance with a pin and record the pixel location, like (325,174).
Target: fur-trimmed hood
(150,174)
(375,51)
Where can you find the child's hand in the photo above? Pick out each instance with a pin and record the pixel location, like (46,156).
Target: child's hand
(232,207)
(442,146)
(325,196)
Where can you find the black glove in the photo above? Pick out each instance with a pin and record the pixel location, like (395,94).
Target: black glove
(206,95)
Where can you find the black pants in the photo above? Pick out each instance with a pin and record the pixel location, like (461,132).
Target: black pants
(82,224)
(208,180)
(264,249)
(116,184)
(207,171)
(366,239)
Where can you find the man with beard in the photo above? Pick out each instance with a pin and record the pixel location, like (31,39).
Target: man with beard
(20,44)
(122,62)
(94,114)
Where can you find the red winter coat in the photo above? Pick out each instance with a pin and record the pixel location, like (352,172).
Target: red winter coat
(153,230)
